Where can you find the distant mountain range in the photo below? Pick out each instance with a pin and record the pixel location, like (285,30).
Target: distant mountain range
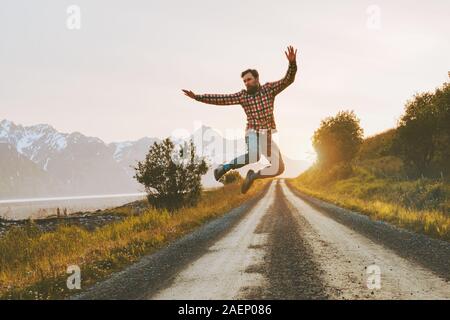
(39,161)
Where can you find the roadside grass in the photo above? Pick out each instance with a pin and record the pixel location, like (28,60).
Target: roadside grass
(421,205)
(33,263)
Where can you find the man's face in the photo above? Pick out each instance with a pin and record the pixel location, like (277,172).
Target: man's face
(250,82)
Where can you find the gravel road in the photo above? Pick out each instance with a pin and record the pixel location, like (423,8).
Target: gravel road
(286,245)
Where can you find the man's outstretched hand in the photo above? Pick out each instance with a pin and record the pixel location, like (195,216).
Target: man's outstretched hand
(189,93)
(291,55)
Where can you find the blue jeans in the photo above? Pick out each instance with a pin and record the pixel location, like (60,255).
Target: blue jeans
(257,143)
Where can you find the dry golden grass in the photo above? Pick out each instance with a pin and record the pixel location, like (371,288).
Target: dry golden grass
(33,264)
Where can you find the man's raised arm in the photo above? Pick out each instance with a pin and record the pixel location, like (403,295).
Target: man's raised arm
(217,99)
(289,78)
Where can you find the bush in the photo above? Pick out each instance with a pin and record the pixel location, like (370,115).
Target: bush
(172,178)
(230,177)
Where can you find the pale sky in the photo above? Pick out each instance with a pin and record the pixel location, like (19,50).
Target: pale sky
(120,76)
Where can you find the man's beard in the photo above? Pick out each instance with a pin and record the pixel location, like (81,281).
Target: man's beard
(253,89)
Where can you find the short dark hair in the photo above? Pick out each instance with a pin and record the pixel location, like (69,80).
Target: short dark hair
(252,71)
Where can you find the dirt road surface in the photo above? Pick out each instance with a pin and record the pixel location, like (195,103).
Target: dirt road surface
(286,245)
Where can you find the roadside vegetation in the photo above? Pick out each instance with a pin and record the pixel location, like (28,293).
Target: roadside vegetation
(400,176)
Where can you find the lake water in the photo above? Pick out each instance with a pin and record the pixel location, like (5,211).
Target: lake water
(17,209)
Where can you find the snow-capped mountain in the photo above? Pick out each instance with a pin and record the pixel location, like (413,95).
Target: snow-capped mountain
(66,163)
(36,143)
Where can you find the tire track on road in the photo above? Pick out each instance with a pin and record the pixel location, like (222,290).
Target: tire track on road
(289,265)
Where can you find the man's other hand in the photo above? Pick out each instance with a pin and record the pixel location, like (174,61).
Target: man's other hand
(291,55)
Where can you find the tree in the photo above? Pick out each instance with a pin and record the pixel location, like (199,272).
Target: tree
(171,175)
(442,102)
(415,132)
(338,138)
(423,132)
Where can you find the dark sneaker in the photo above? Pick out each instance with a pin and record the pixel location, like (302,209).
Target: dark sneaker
(248,181)
(219,172)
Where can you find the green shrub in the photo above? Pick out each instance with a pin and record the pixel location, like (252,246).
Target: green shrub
(230,177)
(172,178)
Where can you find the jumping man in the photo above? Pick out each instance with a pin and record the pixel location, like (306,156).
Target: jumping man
(258,103)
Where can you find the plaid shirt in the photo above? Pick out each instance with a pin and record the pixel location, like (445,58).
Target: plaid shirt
(259,106)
